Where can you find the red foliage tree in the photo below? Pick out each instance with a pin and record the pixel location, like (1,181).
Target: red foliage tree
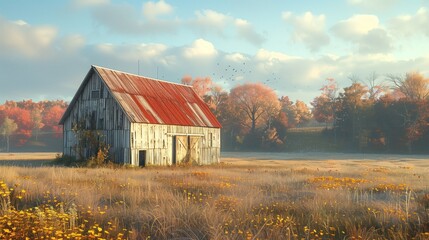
(51,118)
(22,118)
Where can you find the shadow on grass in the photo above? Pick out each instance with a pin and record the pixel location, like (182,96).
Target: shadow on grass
(27,163)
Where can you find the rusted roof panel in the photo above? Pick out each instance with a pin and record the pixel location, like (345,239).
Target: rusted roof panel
(146,100)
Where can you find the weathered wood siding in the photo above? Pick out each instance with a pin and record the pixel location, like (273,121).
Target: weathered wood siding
(158,142)
(99,111)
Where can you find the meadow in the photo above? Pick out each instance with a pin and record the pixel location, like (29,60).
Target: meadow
(246,196)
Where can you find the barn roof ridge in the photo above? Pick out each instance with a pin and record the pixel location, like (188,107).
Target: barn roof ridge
(141,76)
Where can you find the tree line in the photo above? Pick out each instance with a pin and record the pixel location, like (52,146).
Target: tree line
(19,121)
(389,117)
(379,114)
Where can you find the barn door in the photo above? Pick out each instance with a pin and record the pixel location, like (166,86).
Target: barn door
(181,149)
(194,149)
(142,158)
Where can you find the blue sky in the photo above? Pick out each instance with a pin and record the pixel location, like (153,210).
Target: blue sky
(47,47)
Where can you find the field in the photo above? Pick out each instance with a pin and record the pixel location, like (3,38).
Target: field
(247,196)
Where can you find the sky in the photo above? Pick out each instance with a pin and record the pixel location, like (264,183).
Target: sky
(47,47)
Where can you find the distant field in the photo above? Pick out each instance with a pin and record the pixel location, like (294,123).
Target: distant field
(247,196)
(28,156)
(26,159)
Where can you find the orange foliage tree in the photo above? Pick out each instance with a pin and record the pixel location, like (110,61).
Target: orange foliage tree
(201,86)
(324,105)
(255,104)
(414,86)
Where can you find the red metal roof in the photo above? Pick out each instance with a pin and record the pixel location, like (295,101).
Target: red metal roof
(146,100)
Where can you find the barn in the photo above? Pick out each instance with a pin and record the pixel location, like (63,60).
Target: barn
(144,121)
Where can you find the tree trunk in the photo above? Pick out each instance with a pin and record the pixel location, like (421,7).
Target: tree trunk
(253,123)
(7,143)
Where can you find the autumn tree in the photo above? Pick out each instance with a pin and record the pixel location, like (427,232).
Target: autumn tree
(286,107)
(324,106)
(256,103)
(216,99)
(36,121)
(323,110)
(22,118)
(414,86)
(297,113)
(255,107)
(35,109)
(403,123)
(409,105)
(201,85)
(281,124)
(26,104)
(51,119)
(7,128)
(352,115)
(375,89)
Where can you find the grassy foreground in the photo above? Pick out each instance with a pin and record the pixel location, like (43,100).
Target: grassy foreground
(238,199)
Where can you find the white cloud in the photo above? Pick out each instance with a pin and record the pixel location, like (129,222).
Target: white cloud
(366,33)
(376,41)
(200,48)
(246,31)
(20,22)
(264,55)
(133,52)
(72,43)
(308,29)
(18,37)
(355,27)
(294,76)
(211,21)
(408,25)
(152,10)
(124,19)
(236,57)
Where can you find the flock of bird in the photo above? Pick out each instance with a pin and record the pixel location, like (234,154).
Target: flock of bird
(231,73)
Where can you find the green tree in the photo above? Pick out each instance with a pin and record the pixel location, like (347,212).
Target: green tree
(7,128)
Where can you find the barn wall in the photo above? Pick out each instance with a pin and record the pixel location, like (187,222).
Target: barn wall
(157,141)
(98,111)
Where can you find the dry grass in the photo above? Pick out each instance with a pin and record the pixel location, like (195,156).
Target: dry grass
(238,199)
